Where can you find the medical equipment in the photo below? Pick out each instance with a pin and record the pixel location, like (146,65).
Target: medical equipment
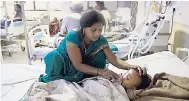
(148,34)
(142,38)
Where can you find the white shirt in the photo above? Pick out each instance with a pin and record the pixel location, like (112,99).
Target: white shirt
(70,22)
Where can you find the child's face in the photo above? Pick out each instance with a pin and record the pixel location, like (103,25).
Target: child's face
(131,79)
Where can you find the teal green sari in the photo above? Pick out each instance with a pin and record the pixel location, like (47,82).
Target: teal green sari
(59,66)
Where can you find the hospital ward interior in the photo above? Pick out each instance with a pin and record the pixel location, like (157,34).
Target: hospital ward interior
(94,50)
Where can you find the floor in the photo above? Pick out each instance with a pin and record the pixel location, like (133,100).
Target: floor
(18,57)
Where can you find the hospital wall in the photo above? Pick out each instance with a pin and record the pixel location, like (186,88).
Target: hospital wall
(180,37)
(180,30)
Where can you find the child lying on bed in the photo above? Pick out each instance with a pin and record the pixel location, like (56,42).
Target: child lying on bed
(132,80)
(164,87)
(93,89)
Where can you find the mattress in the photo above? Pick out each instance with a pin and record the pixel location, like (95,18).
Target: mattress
(124,48)
(41,52)
(159,62)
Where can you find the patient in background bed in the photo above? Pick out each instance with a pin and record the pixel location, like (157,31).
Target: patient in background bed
(132,80)
(39,38)
(54,27)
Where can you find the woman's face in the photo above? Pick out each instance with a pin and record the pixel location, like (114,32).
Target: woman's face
(94,32)
(16,8)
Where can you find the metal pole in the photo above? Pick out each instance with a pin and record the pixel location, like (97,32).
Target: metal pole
(25,31)
(48,11)
(6,29)
(6,14)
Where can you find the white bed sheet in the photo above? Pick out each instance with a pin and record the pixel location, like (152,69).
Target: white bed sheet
(122,47)
(159,62)
(13,73)
(41,52)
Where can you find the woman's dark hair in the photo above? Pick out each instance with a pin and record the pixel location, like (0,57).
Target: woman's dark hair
(145,82)
(88,19)
(18,6)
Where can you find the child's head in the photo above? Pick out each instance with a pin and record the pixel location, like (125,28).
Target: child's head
(132,80)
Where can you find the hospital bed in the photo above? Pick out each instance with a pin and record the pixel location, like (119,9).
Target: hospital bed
(43,35)
(17,84)
(8,35)
(141,39)
(35,36)
(159,62)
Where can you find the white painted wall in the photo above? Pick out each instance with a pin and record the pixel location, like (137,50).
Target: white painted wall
(181,13)
(140,12)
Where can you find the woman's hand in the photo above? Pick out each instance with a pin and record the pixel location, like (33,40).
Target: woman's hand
(138,69)
(108,74)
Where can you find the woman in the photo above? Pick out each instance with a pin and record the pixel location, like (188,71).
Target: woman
(18,15)
(83,53)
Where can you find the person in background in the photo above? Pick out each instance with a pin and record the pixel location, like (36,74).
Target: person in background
(18,15)
(72,21)
(103,10)
(4,20)
(54,27)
